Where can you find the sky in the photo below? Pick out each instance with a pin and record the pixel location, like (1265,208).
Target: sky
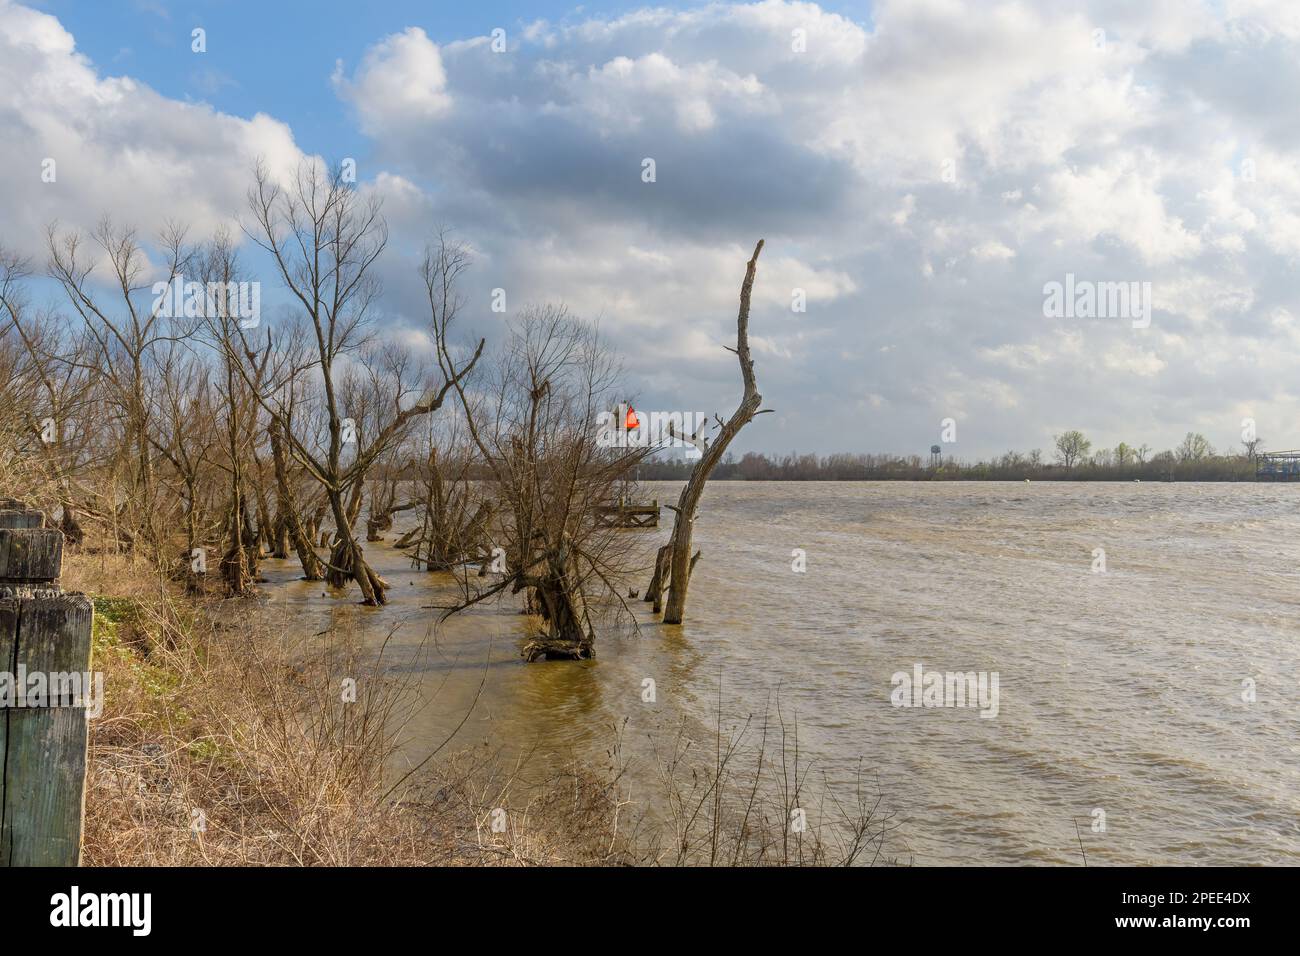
(922,172)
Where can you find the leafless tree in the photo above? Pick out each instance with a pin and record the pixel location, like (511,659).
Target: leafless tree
(325,239)
(125,333)
(186,439)
(674,563)
(48,412)
(535,427)
(455,511)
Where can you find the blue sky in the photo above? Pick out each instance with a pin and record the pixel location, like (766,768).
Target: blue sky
(277,57)
(922,171)
(274,57)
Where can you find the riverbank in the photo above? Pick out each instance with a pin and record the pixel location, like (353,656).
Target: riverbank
(217,746)
(224,741)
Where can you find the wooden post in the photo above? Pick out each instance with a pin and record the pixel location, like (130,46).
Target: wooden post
(43,631)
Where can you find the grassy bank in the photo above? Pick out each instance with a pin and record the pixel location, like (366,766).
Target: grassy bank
(218,747)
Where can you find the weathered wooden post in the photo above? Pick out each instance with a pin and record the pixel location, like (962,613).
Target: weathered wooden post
(45,690)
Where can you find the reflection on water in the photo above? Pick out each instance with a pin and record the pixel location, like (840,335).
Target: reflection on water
(1120,691)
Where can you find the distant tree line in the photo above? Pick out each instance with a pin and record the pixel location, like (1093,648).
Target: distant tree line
(1073,459)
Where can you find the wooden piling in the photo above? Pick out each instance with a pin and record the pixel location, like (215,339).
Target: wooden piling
(46,631)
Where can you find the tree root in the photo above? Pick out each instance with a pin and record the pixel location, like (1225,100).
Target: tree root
(554,649)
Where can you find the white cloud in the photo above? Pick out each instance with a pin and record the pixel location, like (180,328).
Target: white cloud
(400,81)
(117,146)
(1069,156)
(1134,361)
(992,250)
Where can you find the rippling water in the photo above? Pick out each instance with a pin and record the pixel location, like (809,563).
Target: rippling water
(1120,691)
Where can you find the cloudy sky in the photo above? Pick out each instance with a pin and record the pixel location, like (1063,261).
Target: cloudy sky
(920,170)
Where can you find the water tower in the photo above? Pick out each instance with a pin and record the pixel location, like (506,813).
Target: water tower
(936,456)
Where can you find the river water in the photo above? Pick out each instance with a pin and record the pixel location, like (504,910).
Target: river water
(1149,710)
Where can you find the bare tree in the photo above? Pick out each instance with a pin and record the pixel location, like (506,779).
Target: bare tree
(241,377)
(674,563)
(185,437)
(535,429)
(454,519)
(324,240)
(1194,447)
(48,408)
(125,336)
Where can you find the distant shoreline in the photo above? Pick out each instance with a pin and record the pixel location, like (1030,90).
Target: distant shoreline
(1044,480)
(1194,460)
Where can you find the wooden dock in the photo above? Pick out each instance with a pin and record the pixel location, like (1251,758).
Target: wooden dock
(624,515)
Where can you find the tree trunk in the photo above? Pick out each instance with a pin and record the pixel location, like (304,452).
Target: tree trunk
(375,527)
(288,511)
(681,563)
(280,536)
(347,561)
(234,563)
(654,593)
(72,533)
(568,633)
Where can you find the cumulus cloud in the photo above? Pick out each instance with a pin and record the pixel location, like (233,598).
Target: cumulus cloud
(111,145)
(401,81)
(920,177)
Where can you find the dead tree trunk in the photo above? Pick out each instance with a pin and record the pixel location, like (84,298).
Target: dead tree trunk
(287,509)
(379,522)
(560,602)
(681,562)
(347,561)
(654,593)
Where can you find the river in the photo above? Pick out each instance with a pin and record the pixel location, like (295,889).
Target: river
(1148,697)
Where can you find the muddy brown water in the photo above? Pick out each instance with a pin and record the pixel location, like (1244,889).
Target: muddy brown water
(1124,691)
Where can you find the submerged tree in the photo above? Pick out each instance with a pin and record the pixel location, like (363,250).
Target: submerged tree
(535,427)
(324,240)
(455,512)
(674,563)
